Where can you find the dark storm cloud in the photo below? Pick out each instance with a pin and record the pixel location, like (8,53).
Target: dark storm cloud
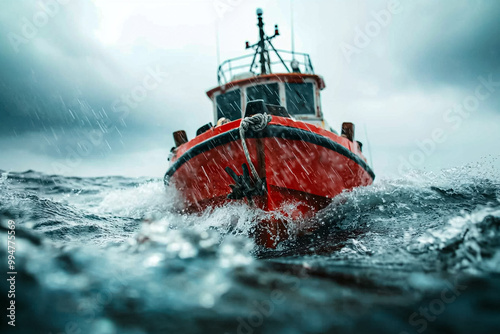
(449,42)
(60,66)
(50,69)
(58,86)
(63,87)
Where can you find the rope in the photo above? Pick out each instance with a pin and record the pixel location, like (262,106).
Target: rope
(257,122)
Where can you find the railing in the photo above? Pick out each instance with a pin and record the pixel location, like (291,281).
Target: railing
(279,61)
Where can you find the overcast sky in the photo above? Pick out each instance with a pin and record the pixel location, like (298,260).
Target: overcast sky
(98,87)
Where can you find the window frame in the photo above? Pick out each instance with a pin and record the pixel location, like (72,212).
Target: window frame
(278,85)
(314,99)
(216,108)
(317,116)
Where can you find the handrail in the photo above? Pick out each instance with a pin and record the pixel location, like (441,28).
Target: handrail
(230,67)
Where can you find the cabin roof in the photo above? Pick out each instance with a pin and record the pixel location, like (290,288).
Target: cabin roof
(283,77)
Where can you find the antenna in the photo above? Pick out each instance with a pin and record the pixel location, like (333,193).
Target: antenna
(262,41)
(294,63)
(217,43)
(293,30)
(261,47)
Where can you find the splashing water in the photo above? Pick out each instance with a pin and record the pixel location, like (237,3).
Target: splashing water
(112,255)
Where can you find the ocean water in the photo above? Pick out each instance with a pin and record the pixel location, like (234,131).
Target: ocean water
(108,255)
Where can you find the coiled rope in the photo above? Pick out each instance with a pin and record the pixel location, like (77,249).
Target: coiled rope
(257,122)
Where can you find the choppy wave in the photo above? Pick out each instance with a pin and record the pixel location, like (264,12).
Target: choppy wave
(112,255)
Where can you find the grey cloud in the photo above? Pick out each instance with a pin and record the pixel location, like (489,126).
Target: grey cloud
(62,85)
(449,42)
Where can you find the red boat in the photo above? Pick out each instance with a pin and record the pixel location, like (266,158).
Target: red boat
(271,147)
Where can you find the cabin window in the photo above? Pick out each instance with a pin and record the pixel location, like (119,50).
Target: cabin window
(269,93)
(228,105)
(300,98)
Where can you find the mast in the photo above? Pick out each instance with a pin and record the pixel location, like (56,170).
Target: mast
(262,42)
(262,48)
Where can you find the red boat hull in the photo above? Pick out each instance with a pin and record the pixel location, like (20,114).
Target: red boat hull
(304,167)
